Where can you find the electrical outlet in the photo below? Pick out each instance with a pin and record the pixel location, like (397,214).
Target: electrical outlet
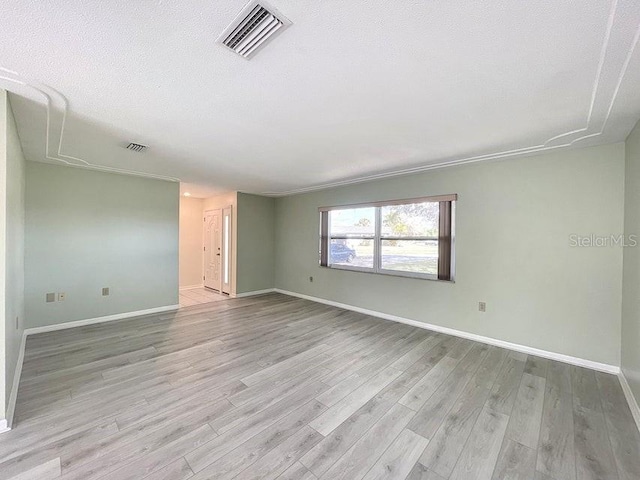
(51,297)
(311,279)
(62,296)
(482,306)
(105,292)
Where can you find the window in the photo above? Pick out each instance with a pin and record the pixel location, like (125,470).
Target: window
(412,237)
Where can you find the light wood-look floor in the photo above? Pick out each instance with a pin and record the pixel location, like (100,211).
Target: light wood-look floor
(275,387)
(198,296)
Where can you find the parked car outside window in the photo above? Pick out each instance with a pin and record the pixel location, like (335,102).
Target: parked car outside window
(341,253)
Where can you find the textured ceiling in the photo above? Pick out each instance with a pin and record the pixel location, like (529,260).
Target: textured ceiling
(352,90)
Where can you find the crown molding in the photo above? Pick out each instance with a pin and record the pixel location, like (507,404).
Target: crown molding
(603,97)
(57,107)
(608,79)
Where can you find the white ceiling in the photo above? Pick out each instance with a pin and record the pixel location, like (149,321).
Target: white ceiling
(353,89)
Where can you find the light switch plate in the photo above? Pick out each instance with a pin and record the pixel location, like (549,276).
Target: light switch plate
(51,297)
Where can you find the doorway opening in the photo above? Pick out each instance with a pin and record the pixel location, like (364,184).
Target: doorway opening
(206,244)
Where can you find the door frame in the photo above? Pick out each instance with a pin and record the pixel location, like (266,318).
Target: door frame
(225,256)
(227,250)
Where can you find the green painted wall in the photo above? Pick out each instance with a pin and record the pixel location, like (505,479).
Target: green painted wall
(515,219)
(86,230)
(15,231)
(631,278)
(12,231)
(255,243)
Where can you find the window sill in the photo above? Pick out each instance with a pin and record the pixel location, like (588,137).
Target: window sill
(389,273)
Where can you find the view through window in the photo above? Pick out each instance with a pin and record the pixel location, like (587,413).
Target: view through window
(406,237)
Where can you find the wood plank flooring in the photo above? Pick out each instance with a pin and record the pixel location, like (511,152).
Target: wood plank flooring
(275,387)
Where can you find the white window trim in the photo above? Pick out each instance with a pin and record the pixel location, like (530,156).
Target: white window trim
(378,238)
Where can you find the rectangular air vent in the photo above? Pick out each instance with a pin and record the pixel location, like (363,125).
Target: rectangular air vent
(136,147)
(253,28)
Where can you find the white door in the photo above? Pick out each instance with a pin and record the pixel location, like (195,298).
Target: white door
(213,249)
(226,250)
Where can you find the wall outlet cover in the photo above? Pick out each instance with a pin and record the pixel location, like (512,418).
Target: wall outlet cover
(482,306)
(62,296)
(105,291)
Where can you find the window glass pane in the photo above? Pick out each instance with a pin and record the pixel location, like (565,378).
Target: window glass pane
(410,220)
(410,256)
(226,249)
(352,252)
(353,222)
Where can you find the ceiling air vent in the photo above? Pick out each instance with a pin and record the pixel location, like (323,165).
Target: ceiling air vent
(136,147)
(253,28)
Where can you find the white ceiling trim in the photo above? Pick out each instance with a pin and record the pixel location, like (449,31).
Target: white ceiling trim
(15,79)
(546,146)
(599,111)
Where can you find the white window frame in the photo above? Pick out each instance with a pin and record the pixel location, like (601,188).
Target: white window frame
(378,238)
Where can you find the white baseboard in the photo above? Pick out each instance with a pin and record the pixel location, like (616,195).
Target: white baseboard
(191,287)
(5,425)
(255,292)
(13,396)
(631,399)
(581,362)
(107,318)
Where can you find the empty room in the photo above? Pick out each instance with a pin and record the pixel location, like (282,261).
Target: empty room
(320,240)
